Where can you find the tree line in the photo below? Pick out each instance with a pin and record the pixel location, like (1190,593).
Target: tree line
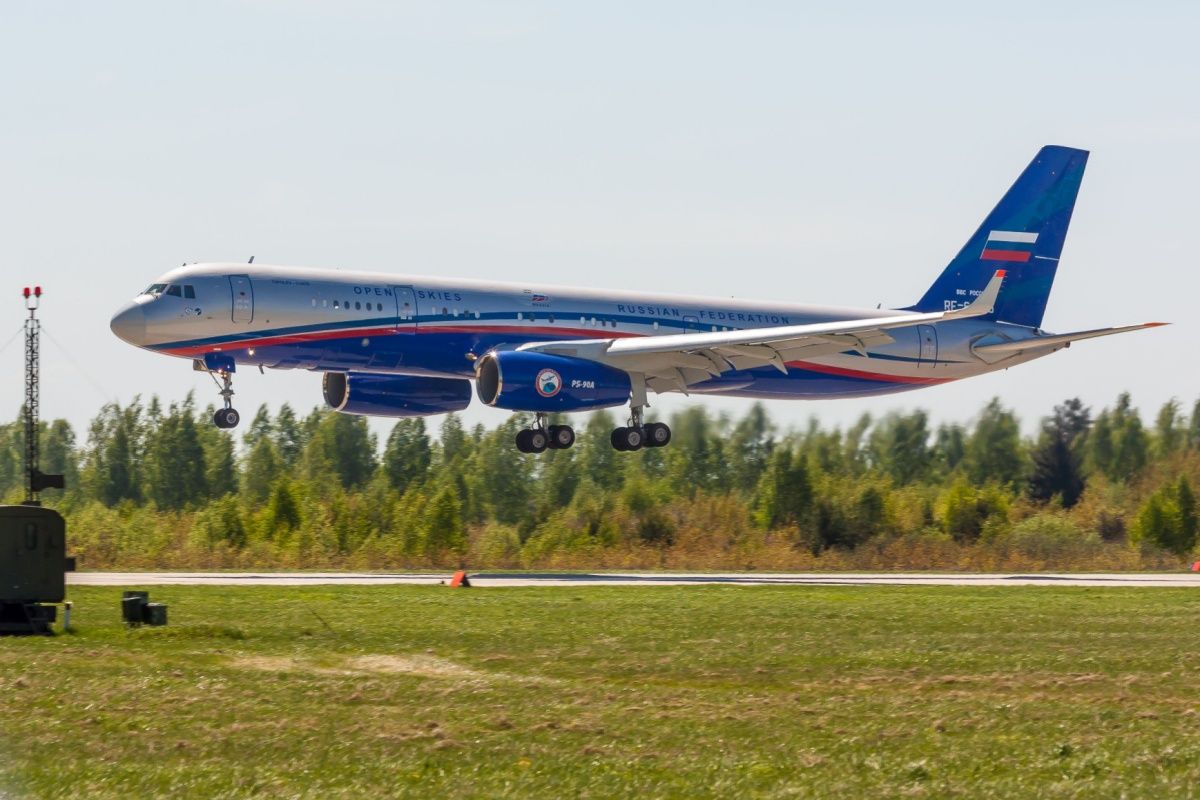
(154,486)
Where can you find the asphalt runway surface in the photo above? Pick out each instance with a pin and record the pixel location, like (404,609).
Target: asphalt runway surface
(579,579)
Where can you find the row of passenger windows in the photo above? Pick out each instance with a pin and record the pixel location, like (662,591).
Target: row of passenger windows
(345,305)
(447,312)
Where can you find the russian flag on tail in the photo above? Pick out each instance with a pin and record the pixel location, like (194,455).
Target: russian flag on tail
(1008,246)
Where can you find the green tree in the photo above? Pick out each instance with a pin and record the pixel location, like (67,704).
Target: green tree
(899,446)
(341,448)
(408,453)
(785,492)
(994,451)
(1170,432)
(445,533)
(282,512)
(175,460)
(748,449)
(1058,455)
(1168,519)
(289,436)
(260,470)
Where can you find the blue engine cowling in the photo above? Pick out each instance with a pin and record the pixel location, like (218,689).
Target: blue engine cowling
(394,395)
(526,381)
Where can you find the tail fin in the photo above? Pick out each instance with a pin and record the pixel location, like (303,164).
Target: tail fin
(1023,235)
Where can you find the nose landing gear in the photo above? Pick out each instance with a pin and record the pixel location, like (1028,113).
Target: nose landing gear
(226,417)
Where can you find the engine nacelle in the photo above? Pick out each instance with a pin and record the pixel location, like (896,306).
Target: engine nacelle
(519,380)
(394,395)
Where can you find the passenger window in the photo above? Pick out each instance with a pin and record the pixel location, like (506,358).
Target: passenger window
(379,306)
(335,305)
(357,306)
(174,291)
(445,312)
(189,292)
(552,318)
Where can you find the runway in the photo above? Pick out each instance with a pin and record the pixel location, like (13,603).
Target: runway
(582,579)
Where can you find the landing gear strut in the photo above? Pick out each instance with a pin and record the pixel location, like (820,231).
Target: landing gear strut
(226,417)
(541,437)
(638,433)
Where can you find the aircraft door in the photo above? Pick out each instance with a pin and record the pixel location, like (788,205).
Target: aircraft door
(242,292)
(929,345)
(406,309)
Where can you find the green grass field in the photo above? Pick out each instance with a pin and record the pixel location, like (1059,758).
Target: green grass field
(611,692)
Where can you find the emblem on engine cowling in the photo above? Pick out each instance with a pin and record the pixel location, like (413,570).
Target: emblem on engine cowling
(548,382)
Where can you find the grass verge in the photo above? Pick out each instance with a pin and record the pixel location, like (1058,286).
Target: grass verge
(605,692)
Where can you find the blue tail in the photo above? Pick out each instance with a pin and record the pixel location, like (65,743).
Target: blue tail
(1023,235)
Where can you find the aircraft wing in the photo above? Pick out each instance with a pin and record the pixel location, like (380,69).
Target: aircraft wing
(991,352)
(676,361)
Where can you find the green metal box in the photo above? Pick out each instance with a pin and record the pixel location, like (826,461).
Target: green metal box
(33,555)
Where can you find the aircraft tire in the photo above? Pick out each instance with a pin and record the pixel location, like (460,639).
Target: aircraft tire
(658,434)
(561,437)
(227,418)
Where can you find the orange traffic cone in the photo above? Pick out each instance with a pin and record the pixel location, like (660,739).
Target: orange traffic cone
(460,580)
(1196,567)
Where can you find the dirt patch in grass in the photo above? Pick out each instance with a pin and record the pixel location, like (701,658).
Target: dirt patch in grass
(425,666)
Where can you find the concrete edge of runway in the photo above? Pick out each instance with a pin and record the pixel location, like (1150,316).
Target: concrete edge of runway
(637,578)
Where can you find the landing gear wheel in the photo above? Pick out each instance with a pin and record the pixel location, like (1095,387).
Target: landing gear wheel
(657,434)
(628,439)
(532,441)
(227,418)
(561,437)
(537,440)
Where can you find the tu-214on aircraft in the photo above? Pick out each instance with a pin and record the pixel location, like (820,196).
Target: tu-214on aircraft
(407,345)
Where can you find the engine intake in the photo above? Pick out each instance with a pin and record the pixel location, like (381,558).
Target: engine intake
(519,380)
(394,395)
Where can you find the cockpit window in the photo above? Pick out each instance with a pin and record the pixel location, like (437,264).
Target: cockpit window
(155,289)
(189,292)
(175,290)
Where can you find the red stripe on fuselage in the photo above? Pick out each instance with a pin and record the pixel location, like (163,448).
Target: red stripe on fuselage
(1004,255)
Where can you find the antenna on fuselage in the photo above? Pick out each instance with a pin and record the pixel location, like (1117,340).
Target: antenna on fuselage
(251,261)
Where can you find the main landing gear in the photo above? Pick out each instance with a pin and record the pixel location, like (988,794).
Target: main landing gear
(541,437)
(639,434)
(226,417)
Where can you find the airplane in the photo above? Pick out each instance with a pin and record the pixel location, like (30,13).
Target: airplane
(408,345)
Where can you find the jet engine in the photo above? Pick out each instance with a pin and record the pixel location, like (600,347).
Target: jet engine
(520,380)
(394,395)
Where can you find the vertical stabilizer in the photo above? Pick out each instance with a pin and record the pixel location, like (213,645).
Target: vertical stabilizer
(1023,235)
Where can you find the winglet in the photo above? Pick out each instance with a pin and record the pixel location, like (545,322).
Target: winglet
(985,303)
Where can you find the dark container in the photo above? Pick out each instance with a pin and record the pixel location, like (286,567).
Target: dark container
(33,555)
(133,607)
(155,614)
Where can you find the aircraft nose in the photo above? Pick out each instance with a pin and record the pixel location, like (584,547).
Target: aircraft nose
(129,324)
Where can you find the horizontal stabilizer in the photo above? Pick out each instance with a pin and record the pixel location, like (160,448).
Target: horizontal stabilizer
(994,352)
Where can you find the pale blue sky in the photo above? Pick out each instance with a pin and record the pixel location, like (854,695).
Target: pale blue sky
(831,153)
